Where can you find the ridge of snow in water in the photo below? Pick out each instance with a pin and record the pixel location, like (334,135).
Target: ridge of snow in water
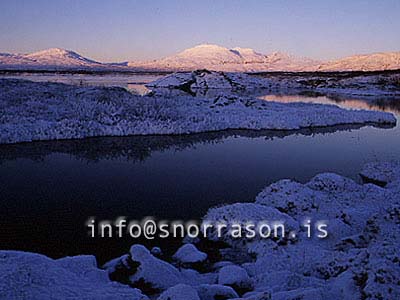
(47,111)
(200,81)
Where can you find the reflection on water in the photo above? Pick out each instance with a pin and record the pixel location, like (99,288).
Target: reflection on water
(386,104)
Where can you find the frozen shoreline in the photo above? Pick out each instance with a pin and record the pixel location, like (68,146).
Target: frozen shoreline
(50,111)
(358,259)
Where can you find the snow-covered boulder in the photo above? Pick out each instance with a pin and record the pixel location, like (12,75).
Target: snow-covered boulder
(153,272)
(180,292)
(189,254)
(153,275)
(235,277)
(256,296)
(26,275)
(216,291)
(227,220)
(303,294)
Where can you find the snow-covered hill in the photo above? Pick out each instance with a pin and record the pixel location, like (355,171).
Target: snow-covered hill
(48,59)
(366,62)
(217,58)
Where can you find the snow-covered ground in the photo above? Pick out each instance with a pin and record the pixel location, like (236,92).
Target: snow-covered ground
(358,260)
(45,111)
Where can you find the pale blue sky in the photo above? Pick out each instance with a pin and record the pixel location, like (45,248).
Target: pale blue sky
(121,30)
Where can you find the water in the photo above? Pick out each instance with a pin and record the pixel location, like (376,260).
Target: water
(49,189)
(132,82)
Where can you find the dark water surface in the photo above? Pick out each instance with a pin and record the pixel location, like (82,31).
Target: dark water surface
(49,189)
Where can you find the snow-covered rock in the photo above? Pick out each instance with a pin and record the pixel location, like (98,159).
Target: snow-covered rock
(46,111)
(152,271)
(242,214)
(153,275)
(381,173)
(180,292)
(188,254)
(235,277)
(216,291)
(26,275)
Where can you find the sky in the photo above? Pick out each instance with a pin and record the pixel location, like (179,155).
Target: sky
(122,30)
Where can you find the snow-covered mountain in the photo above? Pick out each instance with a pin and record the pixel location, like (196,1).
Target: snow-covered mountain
(206,56)
(47,59)
(366,62)
(217,58)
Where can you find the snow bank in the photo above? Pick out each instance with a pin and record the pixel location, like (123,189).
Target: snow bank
(34,276)
(48,111)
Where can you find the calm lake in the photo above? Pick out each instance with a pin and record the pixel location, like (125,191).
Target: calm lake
(49,189)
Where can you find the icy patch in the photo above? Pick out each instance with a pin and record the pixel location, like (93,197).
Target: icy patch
(47,111)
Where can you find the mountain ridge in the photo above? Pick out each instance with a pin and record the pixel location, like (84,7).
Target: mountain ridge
(204,56)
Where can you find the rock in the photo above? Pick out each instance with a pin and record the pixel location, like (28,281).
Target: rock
(303,294)
(215,291)
(156,251)
(188,253)
(243,213)
(120,268)
(235,277)
(256,296)
(180,292)
(152,274)
(220,264)
(381,173)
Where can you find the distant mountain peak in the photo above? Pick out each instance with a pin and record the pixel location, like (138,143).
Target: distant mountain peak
(364,62)
(53,52)
(58,56)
